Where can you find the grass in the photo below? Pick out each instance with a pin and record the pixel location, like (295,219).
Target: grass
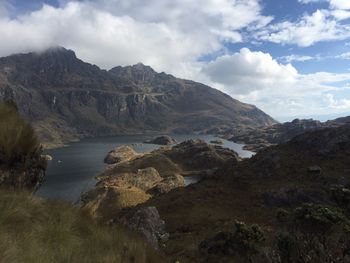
(36,230)
(17,137)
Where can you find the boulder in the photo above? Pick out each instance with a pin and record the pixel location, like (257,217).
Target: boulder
(314,169)
(168,184)
(148,223)
(47,157)
(143,179)
(220,142)
(162,140)
(120,154)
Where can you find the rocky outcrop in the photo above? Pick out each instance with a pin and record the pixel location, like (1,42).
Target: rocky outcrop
(259,138)
(120,154)
(162,140)
(148,223)
(68,99)
(168,184)
(133,182)
(219,142)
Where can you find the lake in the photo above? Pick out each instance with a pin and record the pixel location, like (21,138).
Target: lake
(74,167)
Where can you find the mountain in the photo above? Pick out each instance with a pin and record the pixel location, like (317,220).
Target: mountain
(66,99)
(262,137)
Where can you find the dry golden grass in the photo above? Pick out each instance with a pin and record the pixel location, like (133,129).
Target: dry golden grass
(36,230)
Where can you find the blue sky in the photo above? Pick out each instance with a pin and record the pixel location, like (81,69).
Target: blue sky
(288,57)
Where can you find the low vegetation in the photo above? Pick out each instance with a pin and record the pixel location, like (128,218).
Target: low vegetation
(18,140)
(35,230)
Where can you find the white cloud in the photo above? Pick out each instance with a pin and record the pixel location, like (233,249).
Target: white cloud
(322,25)
(310,1)
(345,55)
(337,104)
(335,4)
(172,35)
(247,71)
(168,35)
(340,4)
(299,58)
(277,88)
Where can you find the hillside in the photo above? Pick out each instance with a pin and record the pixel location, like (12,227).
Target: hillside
(289,203)
(68,99)
(262,137)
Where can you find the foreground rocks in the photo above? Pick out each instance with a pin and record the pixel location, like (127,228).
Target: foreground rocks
(162,140)
(148,223)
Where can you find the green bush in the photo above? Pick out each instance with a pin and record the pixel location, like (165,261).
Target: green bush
(18,140)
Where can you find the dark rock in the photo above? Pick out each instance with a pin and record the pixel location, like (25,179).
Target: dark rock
(315,170)
(148,223)
(162,140)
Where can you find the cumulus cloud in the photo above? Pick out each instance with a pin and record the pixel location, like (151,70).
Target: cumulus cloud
(167,35)
(173,36)
(277,88)
(247,71)
(340,4)
(322,25)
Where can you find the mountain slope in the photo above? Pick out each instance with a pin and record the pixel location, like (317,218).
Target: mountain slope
(262,137)
(67,98)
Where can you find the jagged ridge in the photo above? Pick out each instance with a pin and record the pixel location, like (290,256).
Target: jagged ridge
(67,98)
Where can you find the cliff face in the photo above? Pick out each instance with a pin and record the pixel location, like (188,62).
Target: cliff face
(67,98)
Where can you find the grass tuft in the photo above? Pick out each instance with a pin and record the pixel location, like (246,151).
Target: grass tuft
(36,230)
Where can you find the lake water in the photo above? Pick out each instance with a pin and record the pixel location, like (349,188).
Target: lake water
(74,167)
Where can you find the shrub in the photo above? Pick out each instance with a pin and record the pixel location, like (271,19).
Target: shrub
(18,140)
(287,246)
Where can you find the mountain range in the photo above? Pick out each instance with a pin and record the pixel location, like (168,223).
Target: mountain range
(67,99)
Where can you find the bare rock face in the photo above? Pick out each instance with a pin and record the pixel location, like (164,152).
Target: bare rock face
(64,96)
(148,223)
(120,154)
(162,140)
